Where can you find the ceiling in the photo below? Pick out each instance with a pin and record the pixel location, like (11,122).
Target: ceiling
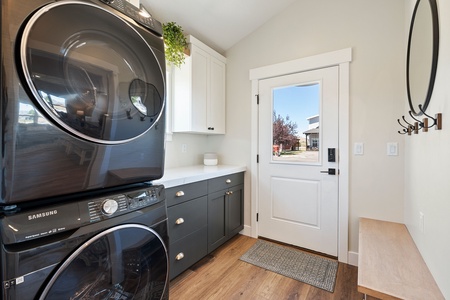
(218,23)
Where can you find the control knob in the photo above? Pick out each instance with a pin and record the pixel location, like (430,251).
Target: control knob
(109,206)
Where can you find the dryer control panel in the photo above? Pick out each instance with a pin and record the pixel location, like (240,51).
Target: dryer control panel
(142,16)
(114,205)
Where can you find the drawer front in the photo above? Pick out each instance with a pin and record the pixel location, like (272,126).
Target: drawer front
(225,182)
(186,192)
(186,218)
(187,251)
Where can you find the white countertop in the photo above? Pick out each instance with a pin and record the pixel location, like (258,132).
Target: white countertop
(178,176)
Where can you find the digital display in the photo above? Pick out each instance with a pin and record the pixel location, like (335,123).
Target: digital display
(139,194)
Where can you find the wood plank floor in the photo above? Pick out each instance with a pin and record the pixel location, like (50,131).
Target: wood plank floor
(221,275)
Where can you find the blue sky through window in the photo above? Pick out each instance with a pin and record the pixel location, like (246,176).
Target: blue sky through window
(299,102)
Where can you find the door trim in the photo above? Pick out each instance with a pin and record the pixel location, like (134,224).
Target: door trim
(342,59)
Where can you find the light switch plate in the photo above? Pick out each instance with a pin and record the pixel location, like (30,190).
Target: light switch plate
(392,149)
(358,149)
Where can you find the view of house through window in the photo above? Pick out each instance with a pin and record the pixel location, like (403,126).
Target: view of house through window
(296,120)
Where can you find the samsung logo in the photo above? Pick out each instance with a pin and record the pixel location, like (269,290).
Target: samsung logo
(42,215)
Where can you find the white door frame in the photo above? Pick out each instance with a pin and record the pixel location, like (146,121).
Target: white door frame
(342,59)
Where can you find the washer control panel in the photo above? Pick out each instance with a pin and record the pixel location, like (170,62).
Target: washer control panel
(41,222)
(114,205)
(109,206)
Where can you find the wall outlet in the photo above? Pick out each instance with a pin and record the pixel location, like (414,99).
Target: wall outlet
(421,222)
(184,148)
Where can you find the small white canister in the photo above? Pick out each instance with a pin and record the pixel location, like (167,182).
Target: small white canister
(210,159)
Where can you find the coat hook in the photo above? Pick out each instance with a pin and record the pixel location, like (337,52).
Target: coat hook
(412,127)
(406,129)
(437,121)
(403,117)
(418,124)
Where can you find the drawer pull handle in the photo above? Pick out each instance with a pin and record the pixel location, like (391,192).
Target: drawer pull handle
(229,193)
(179,221)
(228,181)
(179,194)
(179,256)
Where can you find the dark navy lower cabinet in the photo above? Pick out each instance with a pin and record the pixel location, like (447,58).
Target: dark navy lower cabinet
(202,216)
(187,217)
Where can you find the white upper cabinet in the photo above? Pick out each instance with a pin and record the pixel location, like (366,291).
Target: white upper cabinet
(199,91)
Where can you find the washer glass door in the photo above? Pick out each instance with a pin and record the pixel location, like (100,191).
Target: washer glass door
(92,72)
(123,262)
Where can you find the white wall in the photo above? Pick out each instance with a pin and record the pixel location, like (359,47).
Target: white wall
(427,187)
(375,31)
(196,145)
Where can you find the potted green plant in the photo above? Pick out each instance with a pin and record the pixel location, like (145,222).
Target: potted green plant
(175,43)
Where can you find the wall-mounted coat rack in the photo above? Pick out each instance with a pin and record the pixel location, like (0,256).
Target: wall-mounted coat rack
(417,124)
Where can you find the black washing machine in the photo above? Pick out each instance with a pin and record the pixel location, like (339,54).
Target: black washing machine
(113,247)
(82,90)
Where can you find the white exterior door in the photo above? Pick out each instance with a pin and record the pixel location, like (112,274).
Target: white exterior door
(298,192)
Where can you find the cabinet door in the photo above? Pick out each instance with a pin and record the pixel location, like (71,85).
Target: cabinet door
(216,109)
(235,202)
(200,89)
(225,215)
(217,231)
(199,93)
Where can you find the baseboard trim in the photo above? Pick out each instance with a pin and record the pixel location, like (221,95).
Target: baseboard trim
(353,258)
(246,231)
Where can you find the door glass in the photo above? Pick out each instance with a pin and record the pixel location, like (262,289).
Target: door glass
(126,263)
(295,124)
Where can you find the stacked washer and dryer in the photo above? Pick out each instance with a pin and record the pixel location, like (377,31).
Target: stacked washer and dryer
(82,122)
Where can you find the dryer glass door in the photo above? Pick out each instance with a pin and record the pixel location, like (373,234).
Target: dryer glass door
(97,78)
(124,262)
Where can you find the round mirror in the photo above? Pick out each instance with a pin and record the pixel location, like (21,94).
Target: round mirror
(422,56)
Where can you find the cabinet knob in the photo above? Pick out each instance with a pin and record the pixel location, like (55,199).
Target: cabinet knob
(179,221)
(229,193)
(179,194)
(179,256)
(228,181)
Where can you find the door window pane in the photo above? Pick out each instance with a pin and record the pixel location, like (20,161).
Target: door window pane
(296,123)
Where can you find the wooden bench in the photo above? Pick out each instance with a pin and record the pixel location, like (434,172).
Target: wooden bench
(390,265)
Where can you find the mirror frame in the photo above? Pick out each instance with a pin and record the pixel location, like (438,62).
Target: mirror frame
(435,54)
